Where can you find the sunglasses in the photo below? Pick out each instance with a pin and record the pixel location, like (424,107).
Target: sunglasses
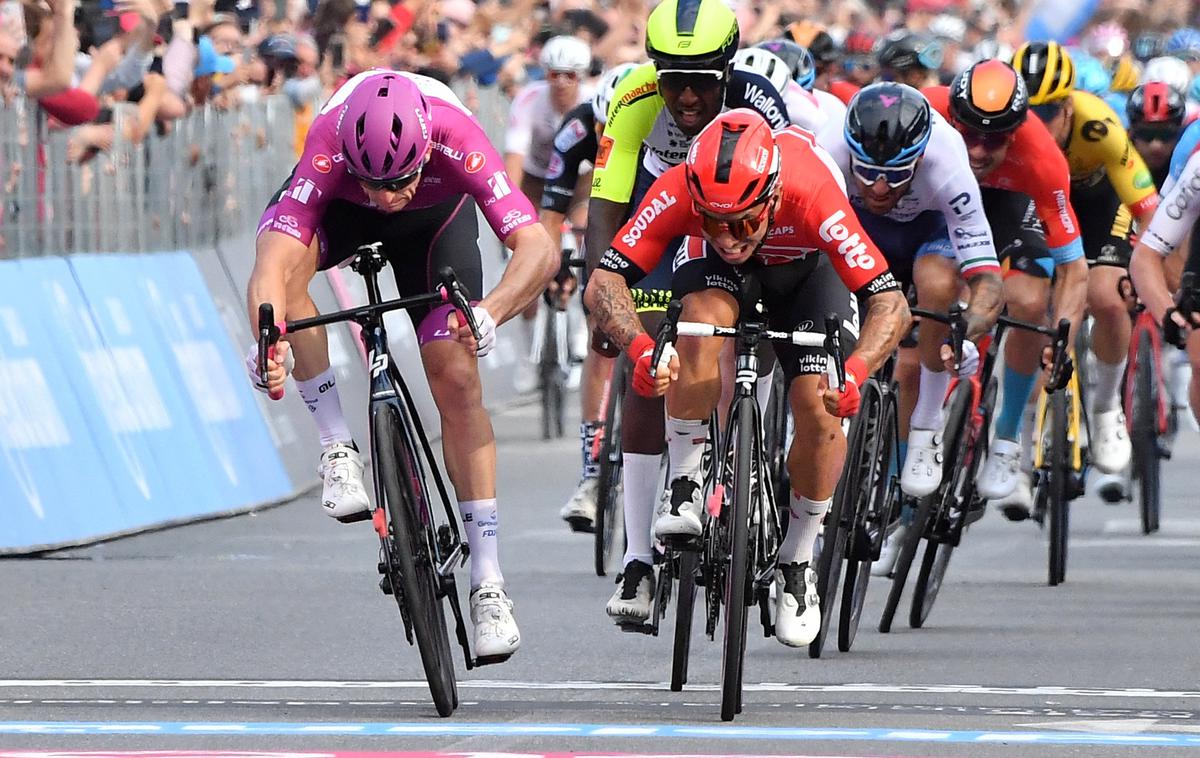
(858,64)
(677,80)
(895,176)
(739,228)
(990,141)
(1154,133)
(390,185)
(570,76)
(1047,112)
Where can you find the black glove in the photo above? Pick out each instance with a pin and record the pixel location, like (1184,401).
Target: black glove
(1172,332)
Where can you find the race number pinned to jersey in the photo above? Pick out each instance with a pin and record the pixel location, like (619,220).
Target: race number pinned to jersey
(322,163)
(602,153)
(474,161)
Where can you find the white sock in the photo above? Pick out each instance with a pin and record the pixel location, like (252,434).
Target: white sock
(1107,380)
(641,490)
(480,520)
(931,395)
(803,527)
(762,390)
(685,442)
(321,396)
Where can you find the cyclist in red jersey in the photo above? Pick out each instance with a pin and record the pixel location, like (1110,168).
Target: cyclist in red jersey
(1009,154)
(764,203)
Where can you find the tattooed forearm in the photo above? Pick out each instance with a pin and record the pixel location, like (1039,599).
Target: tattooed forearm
(987,299)
(888,320)
(612,307)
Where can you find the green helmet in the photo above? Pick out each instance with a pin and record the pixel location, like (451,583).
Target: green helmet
(700,34)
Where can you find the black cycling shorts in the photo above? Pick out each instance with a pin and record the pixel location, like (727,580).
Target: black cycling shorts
(797,296)
(1105,224)
(418,243)
(1018,233)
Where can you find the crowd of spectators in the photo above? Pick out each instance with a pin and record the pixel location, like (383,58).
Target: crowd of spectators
(78,59)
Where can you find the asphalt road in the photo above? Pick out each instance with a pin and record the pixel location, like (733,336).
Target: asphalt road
(268,633)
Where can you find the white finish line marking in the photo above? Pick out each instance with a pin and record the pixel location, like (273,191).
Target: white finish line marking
(500,684)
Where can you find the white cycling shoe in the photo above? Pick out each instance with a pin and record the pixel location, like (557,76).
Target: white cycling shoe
(923,463)
(999,474)
(1110,448)
(889,552)
(496,634)
(343,495)
(1018,504)
(631,602)
(679,510)
(580,510)
(797,605)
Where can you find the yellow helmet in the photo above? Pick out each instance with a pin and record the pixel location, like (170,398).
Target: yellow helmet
(1047,69)
(1125,74)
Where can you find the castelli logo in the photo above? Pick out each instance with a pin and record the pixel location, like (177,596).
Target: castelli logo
(322,163)
(421,119)
(474,161)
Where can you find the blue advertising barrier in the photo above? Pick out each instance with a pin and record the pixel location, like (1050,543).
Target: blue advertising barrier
(122,403)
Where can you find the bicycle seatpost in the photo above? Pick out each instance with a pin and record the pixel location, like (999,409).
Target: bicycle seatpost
(668,332)
(268,335)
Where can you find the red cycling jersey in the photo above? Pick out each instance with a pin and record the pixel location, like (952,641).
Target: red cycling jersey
(813,215)
(1034,166)
(844,90)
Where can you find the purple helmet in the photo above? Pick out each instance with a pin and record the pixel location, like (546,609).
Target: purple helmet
(384,128)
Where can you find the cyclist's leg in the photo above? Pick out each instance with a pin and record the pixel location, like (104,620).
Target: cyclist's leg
(799,296)
(343,494)
(1021,247)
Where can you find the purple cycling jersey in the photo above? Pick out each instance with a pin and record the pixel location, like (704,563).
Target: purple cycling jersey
(462,162)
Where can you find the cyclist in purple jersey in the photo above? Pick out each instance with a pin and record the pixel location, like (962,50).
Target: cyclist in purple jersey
(395,157)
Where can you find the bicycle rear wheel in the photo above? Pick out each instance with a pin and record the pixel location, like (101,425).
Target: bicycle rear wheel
(737,579)
(685,603)
(1059,470)
(412,571)
(1144,435)
(608,488)
(904,560)
(937,551)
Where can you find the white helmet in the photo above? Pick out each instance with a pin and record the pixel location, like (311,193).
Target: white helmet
(764,63)
(565,53)
(605,88)
(1168,69)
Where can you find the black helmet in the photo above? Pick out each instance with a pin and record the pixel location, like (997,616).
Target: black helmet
(989,97)
(888,124)
(1156,103)
(905,50)
(799,61)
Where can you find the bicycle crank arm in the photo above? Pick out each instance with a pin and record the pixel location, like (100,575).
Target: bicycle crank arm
(460,631)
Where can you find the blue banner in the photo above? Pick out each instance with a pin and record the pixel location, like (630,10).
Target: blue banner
(1059,20)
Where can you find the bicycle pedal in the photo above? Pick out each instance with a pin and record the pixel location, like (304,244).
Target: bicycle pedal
(491,660)
(385,584)
(640,627)
(354,518)
(581,524)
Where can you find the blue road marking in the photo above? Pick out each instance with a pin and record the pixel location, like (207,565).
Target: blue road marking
(599,730)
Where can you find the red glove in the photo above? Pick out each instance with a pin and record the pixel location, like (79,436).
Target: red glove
(641,352)
(848,400)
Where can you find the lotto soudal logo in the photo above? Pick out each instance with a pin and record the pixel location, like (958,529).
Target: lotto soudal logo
(646,215)
(322,163)
(474,161)
(849,245)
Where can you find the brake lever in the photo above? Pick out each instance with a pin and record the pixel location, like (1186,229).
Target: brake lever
(668,332)
(456,294)
(268,335)
(833,346)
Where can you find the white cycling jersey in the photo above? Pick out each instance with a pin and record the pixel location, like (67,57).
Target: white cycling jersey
(1178,211)
(943,183)
(532,124)
(818,111)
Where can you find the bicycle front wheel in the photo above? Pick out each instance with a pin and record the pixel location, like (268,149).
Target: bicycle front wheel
(1144,434)
(685,603)
(414,578)
(737,579)
(1059,469)
(608,488)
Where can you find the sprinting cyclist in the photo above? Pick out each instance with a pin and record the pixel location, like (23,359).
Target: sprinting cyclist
(1025,185)
(754,201)
(396,158)
(656,112)
(1111,189)
(911,185)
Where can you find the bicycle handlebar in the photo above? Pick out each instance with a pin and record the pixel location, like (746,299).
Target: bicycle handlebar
(450,290)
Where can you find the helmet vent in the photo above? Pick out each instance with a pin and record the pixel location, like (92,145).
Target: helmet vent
(730,135)
(687,13)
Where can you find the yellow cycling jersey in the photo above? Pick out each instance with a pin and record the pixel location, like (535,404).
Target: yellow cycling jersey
(1099,146)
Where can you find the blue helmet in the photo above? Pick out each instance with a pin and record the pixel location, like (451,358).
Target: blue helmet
(799,60)
(1184,42)
(1090,75)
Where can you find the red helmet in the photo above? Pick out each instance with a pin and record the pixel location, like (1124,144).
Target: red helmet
(733,163)
(1156,103)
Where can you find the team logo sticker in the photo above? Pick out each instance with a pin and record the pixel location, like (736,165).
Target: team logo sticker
(322,163)
(474,161)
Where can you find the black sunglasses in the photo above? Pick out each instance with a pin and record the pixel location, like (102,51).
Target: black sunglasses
(390,185)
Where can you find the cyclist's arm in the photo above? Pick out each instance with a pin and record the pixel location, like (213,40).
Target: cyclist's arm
(611,305)
(278,256)
(1070,292)
(552,221)
(1176,216)
(1128,174)
(574,143)
(533,265)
